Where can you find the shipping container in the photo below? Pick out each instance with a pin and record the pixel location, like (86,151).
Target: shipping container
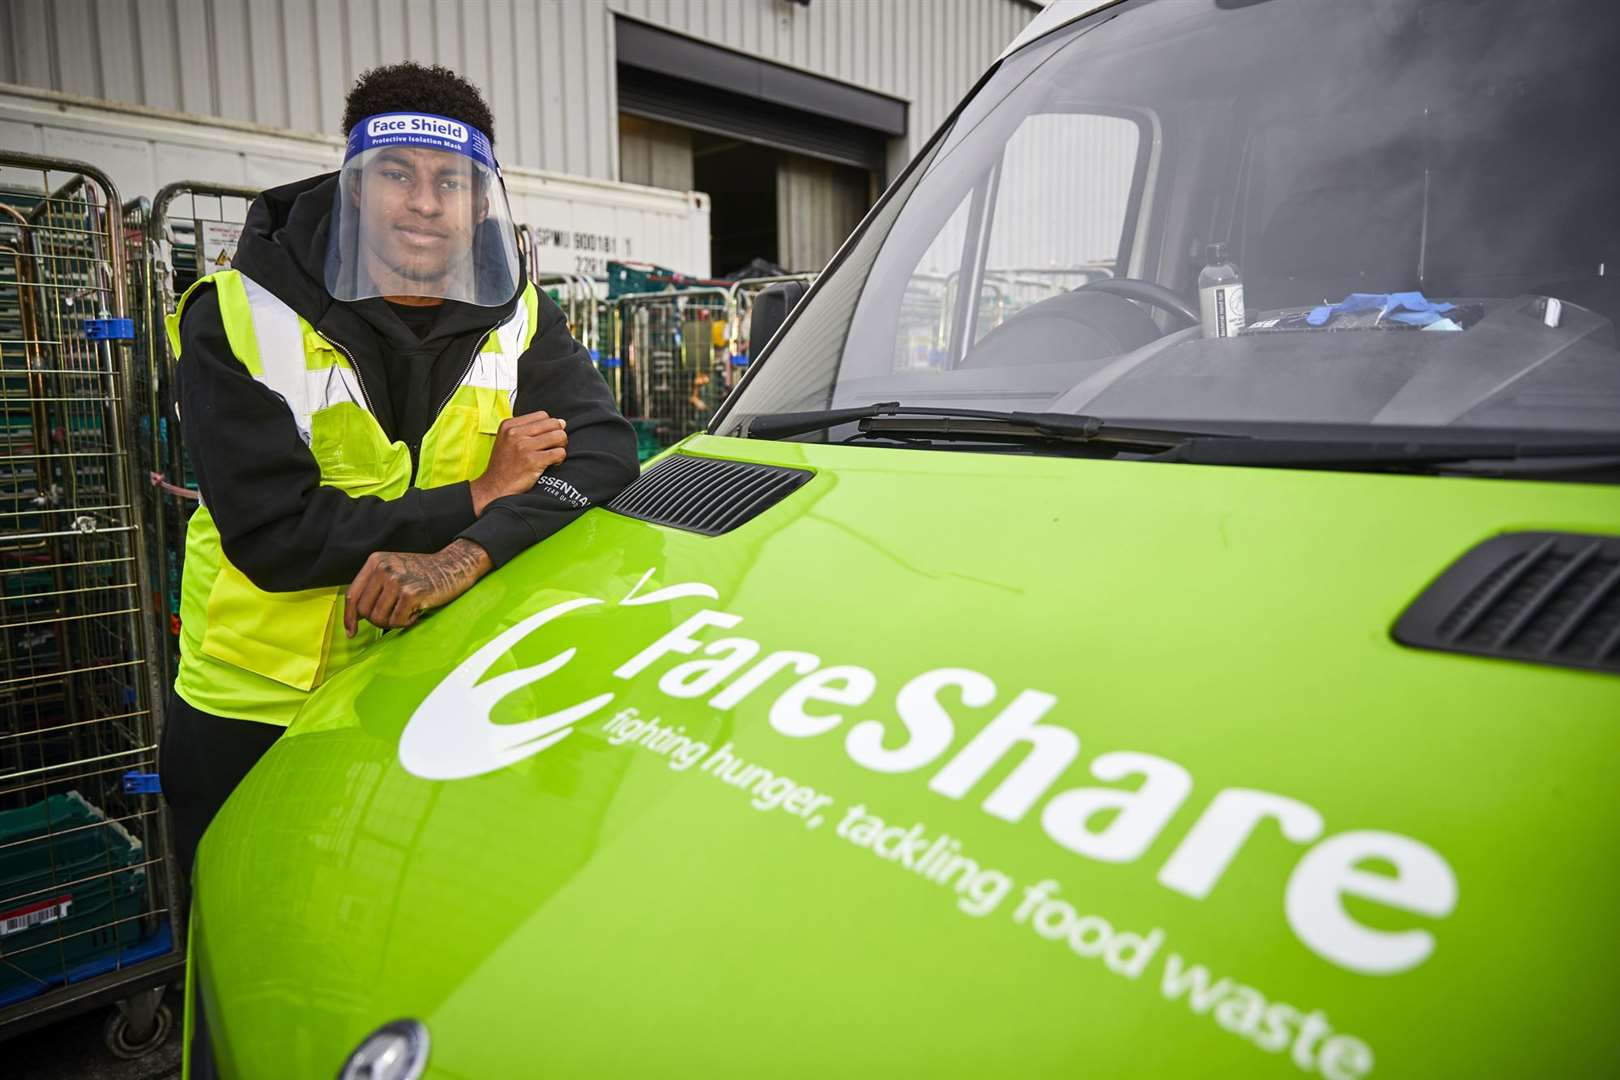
(579,223)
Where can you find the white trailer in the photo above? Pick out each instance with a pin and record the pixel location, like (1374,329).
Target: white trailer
(578,224)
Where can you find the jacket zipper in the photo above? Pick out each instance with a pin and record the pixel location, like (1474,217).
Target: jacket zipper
(471,357)
(353,366)
(416,458)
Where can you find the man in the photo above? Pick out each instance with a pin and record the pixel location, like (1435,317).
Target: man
(380,409)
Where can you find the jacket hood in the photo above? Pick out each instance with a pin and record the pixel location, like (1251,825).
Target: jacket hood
(283,248)
(283,245)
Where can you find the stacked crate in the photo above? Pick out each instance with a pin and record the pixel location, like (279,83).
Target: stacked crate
(84,888)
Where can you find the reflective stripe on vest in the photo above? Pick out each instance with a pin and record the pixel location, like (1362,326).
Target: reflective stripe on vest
(256,655)
(286,369)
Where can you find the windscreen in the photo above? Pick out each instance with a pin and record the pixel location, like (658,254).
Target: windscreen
(1386,212)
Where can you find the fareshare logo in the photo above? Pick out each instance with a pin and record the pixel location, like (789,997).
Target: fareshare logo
(1019,755)
(450,736)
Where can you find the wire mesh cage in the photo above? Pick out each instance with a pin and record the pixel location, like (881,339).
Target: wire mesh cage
(84,882)
(670,350)
(581,299)
(676,348)
(575,294)
(188,230)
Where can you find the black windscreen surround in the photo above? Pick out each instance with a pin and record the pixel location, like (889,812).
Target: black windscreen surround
(706,495)
(1548,598)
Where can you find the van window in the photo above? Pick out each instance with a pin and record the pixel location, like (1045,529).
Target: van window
(1045,231)
(1064,186)
(924,325)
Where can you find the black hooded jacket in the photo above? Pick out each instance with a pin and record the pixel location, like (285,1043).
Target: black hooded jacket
(276,522)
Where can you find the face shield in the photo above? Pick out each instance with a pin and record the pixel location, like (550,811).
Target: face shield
(421,210)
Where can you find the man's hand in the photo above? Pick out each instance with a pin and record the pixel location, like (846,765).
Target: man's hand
(394,587)
(525,447)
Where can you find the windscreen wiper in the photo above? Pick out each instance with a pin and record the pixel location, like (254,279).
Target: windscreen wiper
(890,418)
(1321,453)
(784,424)
(1161,444)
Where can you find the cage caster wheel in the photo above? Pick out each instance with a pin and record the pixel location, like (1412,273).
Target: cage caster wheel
(125,1041)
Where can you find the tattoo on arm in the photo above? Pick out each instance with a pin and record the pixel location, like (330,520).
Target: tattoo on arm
(456,566)
(450,571)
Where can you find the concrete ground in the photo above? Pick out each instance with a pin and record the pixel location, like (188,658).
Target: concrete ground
(73,1049)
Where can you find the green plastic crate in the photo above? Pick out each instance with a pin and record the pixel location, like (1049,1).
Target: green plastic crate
(647,443)
(69,888)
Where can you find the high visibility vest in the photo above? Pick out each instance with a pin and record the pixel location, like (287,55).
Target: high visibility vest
(257,655)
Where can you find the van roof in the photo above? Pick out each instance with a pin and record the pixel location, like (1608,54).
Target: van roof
(1056,14)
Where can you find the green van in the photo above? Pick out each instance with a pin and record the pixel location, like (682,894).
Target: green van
(1153,610)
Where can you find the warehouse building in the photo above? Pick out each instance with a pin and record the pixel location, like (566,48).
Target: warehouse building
(698,134)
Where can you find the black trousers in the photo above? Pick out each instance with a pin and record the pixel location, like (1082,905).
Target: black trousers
(200,761)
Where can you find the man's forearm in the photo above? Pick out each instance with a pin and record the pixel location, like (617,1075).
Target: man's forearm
(394,587)
(452,570)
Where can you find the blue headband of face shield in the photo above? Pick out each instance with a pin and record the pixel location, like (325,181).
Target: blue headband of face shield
(425,130)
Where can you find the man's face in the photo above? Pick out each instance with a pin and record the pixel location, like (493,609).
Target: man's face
(418,214)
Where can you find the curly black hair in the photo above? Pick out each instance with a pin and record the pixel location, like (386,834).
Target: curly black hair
(411,87)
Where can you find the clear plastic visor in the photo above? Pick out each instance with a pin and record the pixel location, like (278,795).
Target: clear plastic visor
(414,221)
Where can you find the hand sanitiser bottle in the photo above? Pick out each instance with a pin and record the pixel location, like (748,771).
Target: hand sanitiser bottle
(1220,295)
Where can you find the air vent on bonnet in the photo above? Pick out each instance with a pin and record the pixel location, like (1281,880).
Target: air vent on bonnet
(1549,598)
(706,495)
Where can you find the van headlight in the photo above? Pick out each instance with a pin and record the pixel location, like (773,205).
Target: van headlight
(396,1051)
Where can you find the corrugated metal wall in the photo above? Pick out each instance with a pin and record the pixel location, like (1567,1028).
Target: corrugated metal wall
(817,205)
(547,65)
(655,154)
(927,52)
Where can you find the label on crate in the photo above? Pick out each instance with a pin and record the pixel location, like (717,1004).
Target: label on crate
(26,918)
(216,244)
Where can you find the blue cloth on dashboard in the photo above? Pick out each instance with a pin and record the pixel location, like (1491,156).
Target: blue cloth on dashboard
(1408,308)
